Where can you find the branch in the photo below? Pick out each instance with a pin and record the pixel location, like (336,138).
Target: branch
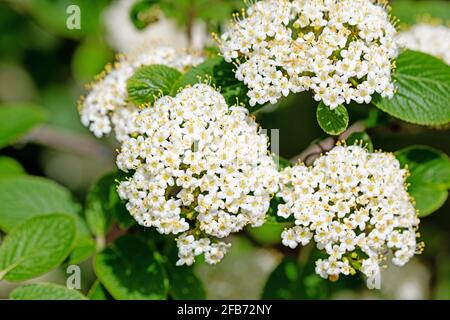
(69,142)
(318,147)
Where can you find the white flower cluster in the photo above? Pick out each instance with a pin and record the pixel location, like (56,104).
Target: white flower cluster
(106,105)
(199,168)
(342,50)
(355,206)
(427,38)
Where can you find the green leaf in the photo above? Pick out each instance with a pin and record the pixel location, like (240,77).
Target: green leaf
(361,139)
(333,122)
(218,73)
(281,162)
(129,270)
(10,167)
(23,197)
(144,12)
(429,179)
(123,218)
(16,120)
(89,58)
(411,12)
(45,291)
(100,204)
(183,283)
(422,90)
(84,248)
(98,292)
(150,82)
(37,246)
(289,282)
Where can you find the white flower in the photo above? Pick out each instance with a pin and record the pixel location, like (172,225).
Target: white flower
(342,50)
(427,38)
(355,205)
(198,167)
(106,104)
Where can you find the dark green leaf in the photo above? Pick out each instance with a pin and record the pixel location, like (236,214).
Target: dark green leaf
(129,270)
(37,246)
(333,122)
(430,176)
(422,90)
(45,291)
(150,82)
(361,139)
(100,204)
(220,74)
(144,12)
(183,283)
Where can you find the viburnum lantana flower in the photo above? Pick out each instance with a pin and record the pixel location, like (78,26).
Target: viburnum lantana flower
(200,169)
(342,50)
(106,106)
(427,38)
(355,206)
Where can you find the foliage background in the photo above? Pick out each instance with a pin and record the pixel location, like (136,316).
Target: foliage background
(43,63)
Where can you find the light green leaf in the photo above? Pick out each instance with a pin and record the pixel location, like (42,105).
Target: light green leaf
(98,292)
(411,12)
(16,120)
(23,197)
(422,90)
(150,82)
(361,139)
(10,167)
(37,246)
(129,270)
(45,291)
(429,179)
(84,248)
(333,122)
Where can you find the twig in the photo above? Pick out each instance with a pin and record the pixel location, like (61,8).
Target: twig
(318,147)
(69,142)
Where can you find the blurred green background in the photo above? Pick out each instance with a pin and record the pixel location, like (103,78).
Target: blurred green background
(44,63)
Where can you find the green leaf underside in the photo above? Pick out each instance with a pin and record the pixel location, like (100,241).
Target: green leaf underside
(45,291)
(429,179)
(423,90)
(37,246)
(16,120)
(10,167)
(129,270)
(333,122)
(149,83)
